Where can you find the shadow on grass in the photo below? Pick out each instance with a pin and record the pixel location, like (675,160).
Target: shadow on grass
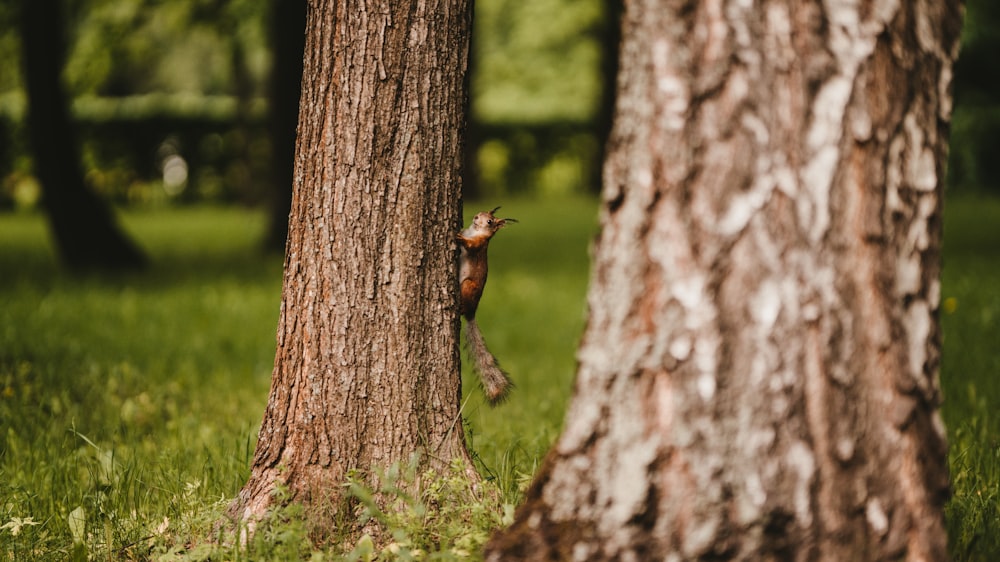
(188,245)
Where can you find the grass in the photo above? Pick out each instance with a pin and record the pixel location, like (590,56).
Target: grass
(134,398)
(129,404)
(133,401)
(531,315)
(970,374)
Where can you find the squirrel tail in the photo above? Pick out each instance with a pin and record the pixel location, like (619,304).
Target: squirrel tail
(496,384)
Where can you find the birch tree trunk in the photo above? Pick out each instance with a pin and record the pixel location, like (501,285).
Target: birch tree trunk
(758,377)
(367,366)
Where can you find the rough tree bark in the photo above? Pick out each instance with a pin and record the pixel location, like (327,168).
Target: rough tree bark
(367,366)
(82,224)
(758,377)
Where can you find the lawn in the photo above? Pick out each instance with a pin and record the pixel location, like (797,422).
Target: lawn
(129,404)
(137,397)
(970,374)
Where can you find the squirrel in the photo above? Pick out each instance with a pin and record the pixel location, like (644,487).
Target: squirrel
(473,242)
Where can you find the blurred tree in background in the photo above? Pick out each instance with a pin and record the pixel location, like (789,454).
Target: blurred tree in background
(288,19)
(181,101)
(82,224)
(536,94)
(171,98)
(168,98)
(975,143)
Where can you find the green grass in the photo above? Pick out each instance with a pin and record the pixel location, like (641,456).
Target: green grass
(130,403)
(137,398)
(970,374)
(532,316)
(133,397)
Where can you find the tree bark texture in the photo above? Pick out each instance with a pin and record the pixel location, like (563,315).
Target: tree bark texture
(367,366)
(82,225)
(758,377)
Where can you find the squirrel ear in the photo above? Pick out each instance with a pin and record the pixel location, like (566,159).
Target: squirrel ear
(495,209)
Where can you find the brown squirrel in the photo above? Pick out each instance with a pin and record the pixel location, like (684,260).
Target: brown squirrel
(472,278)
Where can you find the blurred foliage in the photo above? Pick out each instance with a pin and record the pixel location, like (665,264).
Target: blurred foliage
(536,89)
(170,97)
(975,138)
(536,62)
(176,92)
(128,47)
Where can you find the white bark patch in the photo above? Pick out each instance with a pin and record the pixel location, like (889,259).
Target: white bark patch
(690,292)
(908,275)
(877,519)
(927,31)
(716,29)
(850,42)
(663,399)
(759,370)
(845,449)
(944,91)
(736,21)
(785,180)
(706,362)
(823,140)
(923,175)
(628,484)
(918,324)
(925,209)
(828,113)
(754,124)
(934,293)
(644,178)
(765,305)
(706,386)
(535,520)
(582,551)
(780,27)
(567,491)
(937,422)
(671,85)
(680,347)
(620,461)
(700,536)
(738,87)
(581,422)
(745,206)
(920,162)
(861,124)
(800,460)
(750,503)
(894,173)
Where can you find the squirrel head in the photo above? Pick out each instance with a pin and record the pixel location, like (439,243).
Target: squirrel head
(486,224)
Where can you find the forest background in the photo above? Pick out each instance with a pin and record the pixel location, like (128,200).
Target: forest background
(171,98)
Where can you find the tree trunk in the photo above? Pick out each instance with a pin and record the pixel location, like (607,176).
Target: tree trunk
(84,229)
(367,366)
(758,377)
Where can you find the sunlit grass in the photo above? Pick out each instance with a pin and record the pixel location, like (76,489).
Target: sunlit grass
(134,398)
(970,376)
(532,316)
(133,401)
